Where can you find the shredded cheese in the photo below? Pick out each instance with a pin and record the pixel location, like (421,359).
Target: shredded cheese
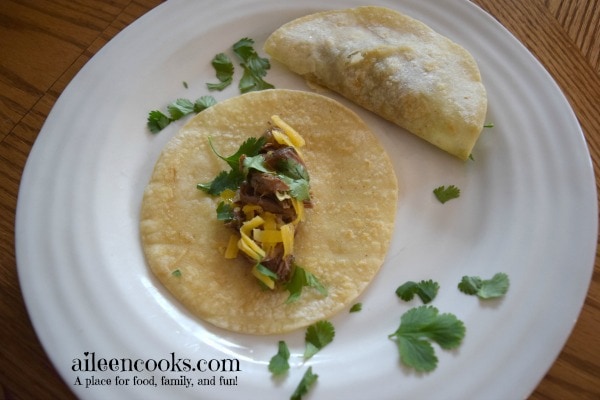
(267,280)
(295,138)
(232,249)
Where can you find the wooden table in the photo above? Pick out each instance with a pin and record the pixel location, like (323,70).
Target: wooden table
(44,43)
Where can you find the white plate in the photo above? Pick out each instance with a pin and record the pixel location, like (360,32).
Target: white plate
(527,208)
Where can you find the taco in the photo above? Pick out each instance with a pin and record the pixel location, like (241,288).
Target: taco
(393,65)
(342,240)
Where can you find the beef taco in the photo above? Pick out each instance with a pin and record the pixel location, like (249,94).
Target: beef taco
(393,65)
(341,232)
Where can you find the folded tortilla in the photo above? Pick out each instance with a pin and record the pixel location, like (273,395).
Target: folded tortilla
(343,241)
(393,65)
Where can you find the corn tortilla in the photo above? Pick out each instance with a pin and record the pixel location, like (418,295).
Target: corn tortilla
(343,242)
(393,65)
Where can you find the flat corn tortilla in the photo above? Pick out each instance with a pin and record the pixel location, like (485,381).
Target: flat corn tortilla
(343,241)
(393,65)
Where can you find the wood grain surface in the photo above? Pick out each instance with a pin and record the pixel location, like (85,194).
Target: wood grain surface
(43,44)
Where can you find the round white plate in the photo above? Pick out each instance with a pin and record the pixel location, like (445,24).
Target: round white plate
(527,208)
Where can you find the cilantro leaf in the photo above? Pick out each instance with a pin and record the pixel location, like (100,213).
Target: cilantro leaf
(177,109)
(250,147)
(224,211)
(279,362)
(255,67)
(224,69)
(203,103)
(224,180)
(255,162)
(301,278)
(426,290)
(308,379)
(180,108)
(157,121)
(418,327)
(318,335)
(443,193)
(485,288)
(356,308)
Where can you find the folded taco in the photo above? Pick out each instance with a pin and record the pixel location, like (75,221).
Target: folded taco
(393,65)
(210,244)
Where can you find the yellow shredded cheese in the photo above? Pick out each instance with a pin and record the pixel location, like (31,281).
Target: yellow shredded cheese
(287,236)
(299,207)
(270,283)
(295,138)
(232,247)
(251,248)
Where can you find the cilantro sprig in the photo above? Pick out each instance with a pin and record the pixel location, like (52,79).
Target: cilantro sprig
(231,179)
(224,71)
(255,67)
(318,335)
(418,328)
(426,290)
(279,363)
(492,288)
(308,379)
(300,279)
(157,120)
(444,194)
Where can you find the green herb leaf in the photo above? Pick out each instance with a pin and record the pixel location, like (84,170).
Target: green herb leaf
(356,308)
(488,125)
(279,362)
(308,379)
(485,289)
(176,273)
(255,67)
(157,121)
(443,193)
(426,290)
(418,327)
(224,180)
(203,103)
(180,108)
(255,162)
(224,69)
(249,148)
(301,278)
(318,335)
(224,211)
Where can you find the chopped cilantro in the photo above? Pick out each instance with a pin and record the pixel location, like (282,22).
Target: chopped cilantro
(157,121)
(308,379)
(224,211)
(231,179)
(318,335)
(224,180)
(224,69)
(426,290)
(356,308)
(301,278)
(279,362)
(443,193)
(176,273)
(177,109)
(180,108)
(255,67)
(488,125)
(185,84)
(203,103)
(485,288)
(418,327)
